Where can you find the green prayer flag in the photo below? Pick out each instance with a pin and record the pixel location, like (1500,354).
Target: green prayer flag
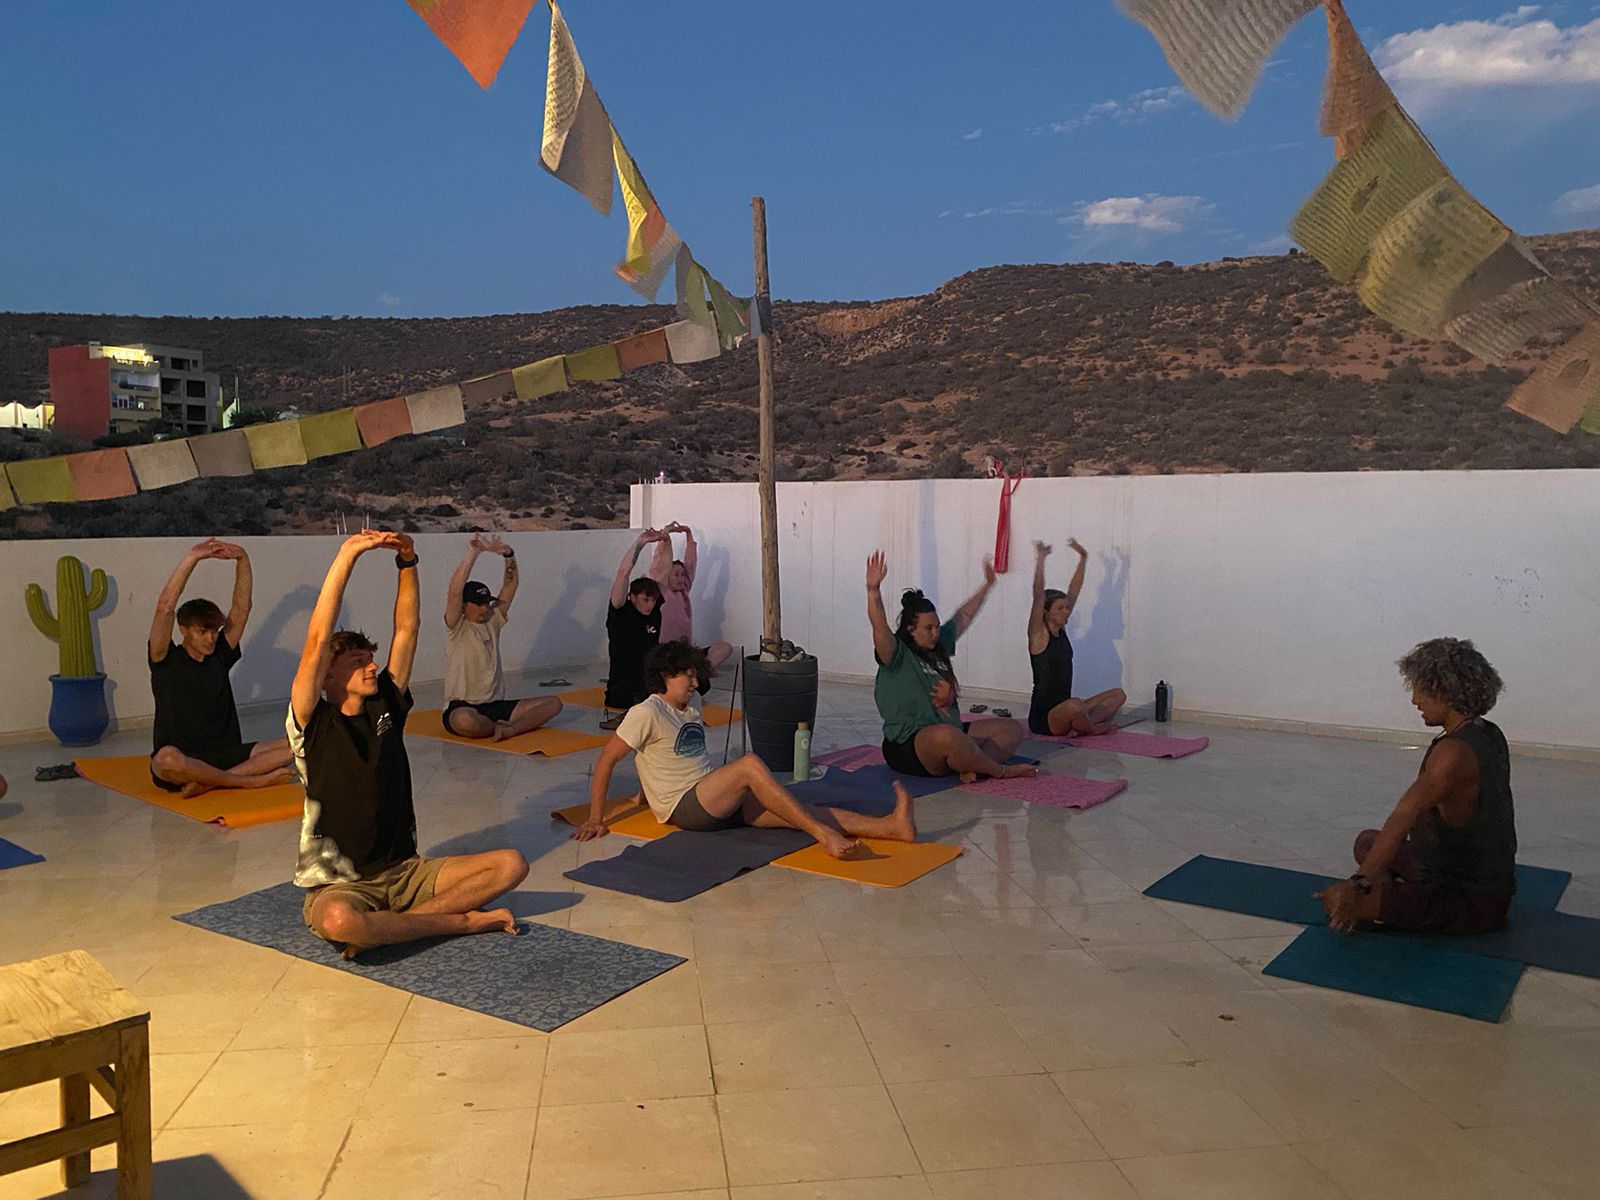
(330,433)
(41,480)
(542,378)
(275,444)
(597,362)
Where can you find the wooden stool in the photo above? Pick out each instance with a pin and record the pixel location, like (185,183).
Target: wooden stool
(65,1018)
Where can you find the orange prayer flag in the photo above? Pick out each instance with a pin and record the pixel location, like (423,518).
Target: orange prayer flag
(1354,93)
(101,474)
(383,420)
(1561,389)
(479,32)
(642,349)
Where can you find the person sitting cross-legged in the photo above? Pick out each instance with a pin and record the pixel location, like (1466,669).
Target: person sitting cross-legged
(676,577)
(668,738)
(474,690)
(633,629)
(365,884)
(1053,710)
(196,744)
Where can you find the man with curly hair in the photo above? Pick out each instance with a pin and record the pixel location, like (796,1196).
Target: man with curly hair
(1445,859)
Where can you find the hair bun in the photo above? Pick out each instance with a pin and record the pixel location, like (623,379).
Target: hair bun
(910,598)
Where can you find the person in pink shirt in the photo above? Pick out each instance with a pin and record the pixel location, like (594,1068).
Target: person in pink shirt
(676,577)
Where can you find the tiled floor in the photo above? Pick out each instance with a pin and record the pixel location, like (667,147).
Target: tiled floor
(1020,1024)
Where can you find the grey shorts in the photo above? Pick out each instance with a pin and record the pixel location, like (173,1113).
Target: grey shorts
(395,888)
(689,814)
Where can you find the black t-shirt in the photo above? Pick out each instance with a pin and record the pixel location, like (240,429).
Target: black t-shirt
(358,788)
(631,635)
(194,700)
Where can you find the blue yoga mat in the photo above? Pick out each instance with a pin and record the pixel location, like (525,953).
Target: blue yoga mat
(13,855)
(542,978)
(870,790)
(1423,973)
(685,864)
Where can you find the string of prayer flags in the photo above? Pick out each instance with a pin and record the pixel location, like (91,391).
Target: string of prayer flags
(221,455)
(478,32)
(597,362)
(488,388)
(1561,389)
(691,342)
(652,244)
(325,434)
(1496,329)
(436,408)
(1354,92)
(543,378)
(576,147)
(162,464)
(275,444)
(41,480)
(730,315)
(383,421)
(1218,48)
(642,349)
(101,475)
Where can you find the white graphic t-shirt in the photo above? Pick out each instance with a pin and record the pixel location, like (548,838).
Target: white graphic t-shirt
(671,747)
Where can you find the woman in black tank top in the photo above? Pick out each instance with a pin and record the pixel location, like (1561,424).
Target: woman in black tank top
(1053,711)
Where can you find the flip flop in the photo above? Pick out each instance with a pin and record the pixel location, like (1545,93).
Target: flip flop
(556,682)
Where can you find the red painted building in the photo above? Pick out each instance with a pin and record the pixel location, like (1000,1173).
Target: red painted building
(102,389)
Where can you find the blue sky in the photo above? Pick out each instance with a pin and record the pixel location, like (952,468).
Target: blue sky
(330,156)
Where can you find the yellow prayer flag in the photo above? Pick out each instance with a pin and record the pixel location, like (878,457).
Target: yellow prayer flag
(576,147)
(41,480)
(329,433)
(652,243)
(597,362)
(8,498)
(275,444)
(1561,389)
(543,378)
(1498,328)
(1364,192)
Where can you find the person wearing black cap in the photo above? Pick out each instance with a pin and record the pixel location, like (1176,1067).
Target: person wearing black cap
(474,690)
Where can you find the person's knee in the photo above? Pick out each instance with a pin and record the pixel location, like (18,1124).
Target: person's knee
(339,922)
(513,867)
(1363,846)
(751,767)
(167,759)
(553,706)
(1117,696)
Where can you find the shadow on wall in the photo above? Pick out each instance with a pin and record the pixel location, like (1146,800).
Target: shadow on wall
(1096,646)
(569,622)
(96,619)
(271,665)
(711,603)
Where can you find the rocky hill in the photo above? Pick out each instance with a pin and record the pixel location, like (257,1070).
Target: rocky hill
(1259,364)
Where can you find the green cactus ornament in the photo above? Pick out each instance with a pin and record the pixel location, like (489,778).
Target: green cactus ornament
(74,602)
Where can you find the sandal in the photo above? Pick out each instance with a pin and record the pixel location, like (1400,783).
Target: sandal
(556,682)
(611,722)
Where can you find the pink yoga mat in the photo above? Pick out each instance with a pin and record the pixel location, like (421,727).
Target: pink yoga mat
(1144,745)
(1057,791)
(851,758)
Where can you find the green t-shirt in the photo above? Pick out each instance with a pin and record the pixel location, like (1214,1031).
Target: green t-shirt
(904,686)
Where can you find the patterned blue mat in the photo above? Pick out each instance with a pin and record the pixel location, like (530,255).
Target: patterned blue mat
(542,978)
(13,855)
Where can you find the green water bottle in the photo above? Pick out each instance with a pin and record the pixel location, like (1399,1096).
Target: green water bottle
(802,753)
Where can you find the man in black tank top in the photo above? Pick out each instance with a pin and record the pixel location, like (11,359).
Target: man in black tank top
(1445,859)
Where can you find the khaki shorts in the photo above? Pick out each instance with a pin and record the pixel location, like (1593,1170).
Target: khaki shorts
(395,888)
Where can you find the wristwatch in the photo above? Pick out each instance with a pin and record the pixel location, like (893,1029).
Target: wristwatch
(509,554)
(1362,883)
(401,562)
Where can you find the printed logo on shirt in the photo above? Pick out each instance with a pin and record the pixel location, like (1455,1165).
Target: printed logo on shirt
(385,723)
(691,741)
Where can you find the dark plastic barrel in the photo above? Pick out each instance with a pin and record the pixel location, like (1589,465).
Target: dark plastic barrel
(777,697)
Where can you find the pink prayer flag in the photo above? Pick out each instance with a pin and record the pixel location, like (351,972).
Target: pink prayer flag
(101,474)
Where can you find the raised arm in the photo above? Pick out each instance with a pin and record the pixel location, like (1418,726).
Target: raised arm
(509,577)
(660,568)
(691,553)
(243,587)
(1076,585)
(611,754)
(407,611)
(1038,635)
(968,612)
(167,602)
(883,639)
(452,597)
(619,585)
(316,653)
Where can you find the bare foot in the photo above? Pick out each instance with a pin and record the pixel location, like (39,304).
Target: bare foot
(503,730)
(495,920)
(969,777)
(903,821)
(836,844)
(350,951)
(271,778)
(1018,771)
(195,788)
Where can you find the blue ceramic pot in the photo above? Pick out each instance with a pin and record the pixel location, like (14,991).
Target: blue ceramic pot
(78,714)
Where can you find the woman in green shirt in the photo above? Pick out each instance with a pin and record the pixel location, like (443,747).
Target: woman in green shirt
(917,694)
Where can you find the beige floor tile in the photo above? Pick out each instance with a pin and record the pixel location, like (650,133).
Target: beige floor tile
(897,985)
(442,1077)
(946,1043)
(197,967)
(1102,1030)
(1126,924)
(749,940)
(1054,977)
(732,991)
(1309,1096)
(605,1065)
(812,1134)
(1563,1157)
(1005,931)
(584,1150)
(287,1020)
(791,1052)
(901,1187)
(1419,1169)
(1491,1081)
(1075,885)
(428,1020)
(261,1160)
(1164,1109)
(970,1124)
(1263,1173)
(1053,1181)
(1172,968)
(1253,1022)
(276,1087)
(195,1021)
(36,1109)
(1254,953)
(436,1156)
(671,998)
(905,934)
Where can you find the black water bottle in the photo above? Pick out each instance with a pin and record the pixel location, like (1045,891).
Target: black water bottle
(1163,701)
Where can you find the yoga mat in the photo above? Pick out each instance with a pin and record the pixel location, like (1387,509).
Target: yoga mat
(1421,973)
(429,723)
(675,868)
(641,824)
(615,810)
(851,758)
(1535,937)
(1057,791)
(883,864)
(542,978)
(1142,745)
(867,789)
(13,855)
(232,807)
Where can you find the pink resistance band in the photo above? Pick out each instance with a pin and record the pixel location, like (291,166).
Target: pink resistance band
(1002,529)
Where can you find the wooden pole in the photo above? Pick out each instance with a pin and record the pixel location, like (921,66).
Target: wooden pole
(771,616)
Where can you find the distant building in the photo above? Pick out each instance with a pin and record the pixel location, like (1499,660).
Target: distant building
(99,389)
(18,415)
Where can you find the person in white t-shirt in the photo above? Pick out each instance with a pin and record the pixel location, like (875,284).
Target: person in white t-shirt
(474,692)
(681,786)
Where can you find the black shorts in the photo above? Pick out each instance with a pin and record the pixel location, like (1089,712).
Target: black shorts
(689,815)
(1040,724)
(223,758)
(902,756)
(495,710)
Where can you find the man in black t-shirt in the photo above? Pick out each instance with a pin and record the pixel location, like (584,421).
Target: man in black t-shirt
(633,629)
(365,883)
(197,745)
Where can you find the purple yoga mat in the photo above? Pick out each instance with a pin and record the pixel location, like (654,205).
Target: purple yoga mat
(1143,745)
(851,758)
(1057,791)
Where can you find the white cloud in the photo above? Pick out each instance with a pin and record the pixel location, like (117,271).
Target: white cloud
(972,136)
(1141,106)
(388,300)
(1150,213)
(1272,245)
(1516,49)
(1013,208)
(1579,202)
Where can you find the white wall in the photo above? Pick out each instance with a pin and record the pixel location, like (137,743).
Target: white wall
(1272,597)
(558,617)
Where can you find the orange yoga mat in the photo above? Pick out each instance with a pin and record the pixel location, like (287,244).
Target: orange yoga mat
(595,697)
(429,723)
(880,863)
(232,807)
(616,808)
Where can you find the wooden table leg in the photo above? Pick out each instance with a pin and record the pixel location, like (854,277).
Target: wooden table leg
(74,1111)
(133,1114)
